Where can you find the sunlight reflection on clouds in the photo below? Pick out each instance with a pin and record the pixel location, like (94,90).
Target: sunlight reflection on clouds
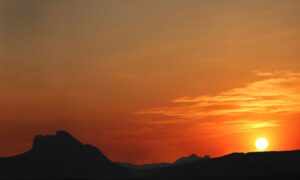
(277,93)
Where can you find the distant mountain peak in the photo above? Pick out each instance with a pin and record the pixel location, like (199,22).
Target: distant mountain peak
(193,156)
(60,155)
(190,158)
(61,139)
(62,133)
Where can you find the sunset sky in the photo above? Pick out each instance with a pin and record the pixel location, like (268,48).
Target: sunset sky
(150,81)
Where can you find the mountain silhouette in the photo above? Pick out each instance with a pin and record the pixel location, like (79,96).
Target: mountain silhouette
(60,156)
(257,165)
(188,159)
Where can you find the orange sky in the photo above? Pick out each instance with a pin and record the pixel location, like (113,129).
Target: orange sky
(151,81)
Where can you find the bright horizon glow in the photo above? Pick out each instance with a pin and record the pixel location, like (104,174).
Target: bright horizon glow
(261,144)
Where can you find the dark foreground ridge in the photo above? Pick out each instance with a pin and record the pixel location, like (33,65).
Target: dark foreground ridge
(61,156)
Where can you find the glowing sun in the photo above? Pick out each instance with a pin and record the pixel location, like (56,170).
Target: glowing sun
(261,144)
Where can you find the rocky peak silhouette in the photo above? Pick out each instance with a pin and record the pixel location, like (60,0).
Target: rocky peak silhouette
(190,158)
(62,140)
(60,155)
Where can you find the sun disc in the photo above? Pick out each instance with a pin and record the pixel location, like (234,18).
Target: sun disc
(261,144)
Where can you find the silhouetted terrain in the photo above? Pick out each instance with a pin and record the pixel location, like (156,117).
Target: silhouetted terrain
(60,156)
(188,159)
(63,157)
(262,165)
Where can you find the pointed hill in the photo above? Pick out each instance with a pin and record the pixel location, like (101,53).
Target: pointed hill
(60,156)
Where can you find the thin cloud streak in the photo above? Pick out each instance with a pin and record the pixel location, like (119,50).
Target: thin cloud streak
(277,93)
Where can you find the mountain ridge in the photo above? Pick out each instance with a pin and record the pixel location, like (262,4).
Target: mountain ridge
(182,160)
(62,156)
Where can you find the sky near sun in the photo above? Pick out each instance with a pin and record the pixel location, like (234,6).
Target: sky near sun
(150,81)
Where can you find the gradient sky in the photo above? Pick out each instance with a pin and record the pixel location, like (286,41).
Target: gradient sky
(151,81)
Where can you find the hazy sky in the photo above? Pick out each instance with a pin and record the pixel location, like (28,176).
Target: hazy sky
(148,81)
